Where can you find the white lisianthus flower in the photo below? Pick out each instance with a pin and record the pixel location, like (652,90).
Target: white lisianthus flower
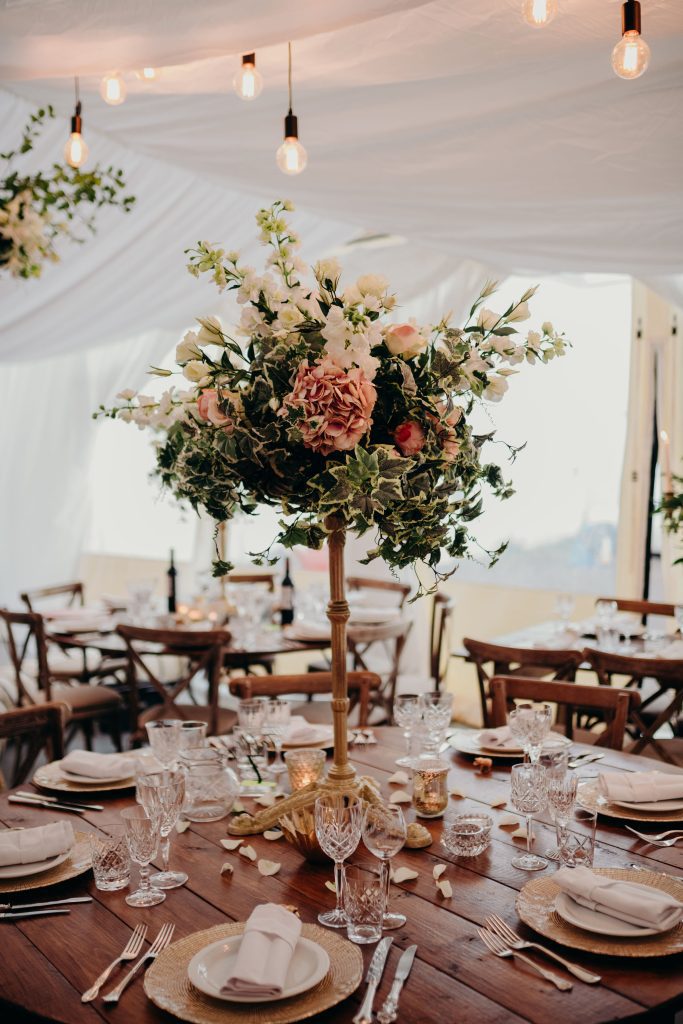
(372,284)
(503,346)
(474,364)
(327,270)
(211,331)
(188,348)
(521,312)
(496,388)
(487,319)
(127,394)
(195,371)
(547,327)
(145,400)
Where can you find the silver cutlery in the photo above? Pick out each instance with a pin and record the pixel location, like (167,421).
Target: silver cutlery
(665,843)
(130,951)
(497,925)
(581,759)
(389,1011)
(496,946)
(160,943)
(55,800)
(656,837)
(12,915)
(44,803)
(373,978)
(17,907)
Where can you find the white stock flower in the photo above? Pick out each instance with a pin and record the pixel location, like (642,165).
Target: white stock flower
(372,284)
(195,371)
(351,296)
(187,348)
(127,394)
(487,319)
(496,388)
(521,312)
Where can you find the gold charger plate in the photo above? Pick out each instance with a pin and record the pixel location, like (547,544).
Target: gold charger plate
(589,797)
(168,986)
(77,864)
(49,776)
(535,905)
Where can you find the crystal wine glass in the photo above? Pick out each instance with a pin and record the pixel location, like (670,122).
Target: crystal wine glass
(436,708)
(530,725)
(162,795)
(384,833)
(407,713)
(529,795)
(164,739)
(142,835)
(338,821)
(561,787)
(276,720)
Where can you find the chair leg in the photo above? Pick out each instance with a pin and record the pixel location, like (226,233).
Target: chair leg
(116,731)
(87,727)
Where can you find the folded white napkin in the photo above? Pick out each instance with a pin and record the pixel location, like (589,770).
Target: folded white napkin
(640,787)
(266,950)
(30,845)
(636,904)
(98,766)
(301,731)
(500,737)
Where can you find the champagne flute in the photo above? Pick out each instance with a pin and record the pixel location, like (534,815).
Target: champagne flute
(162,795)
(338,821)
(529,795)
(384,834)
(142,836)
(164,739)
(407,713)
(277,716)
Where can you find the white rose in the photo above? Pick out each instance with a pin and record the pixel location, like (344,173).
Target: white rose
(404,340)
(487,319)
(547,327)
(325,270)
(521,312)
(188,348)
(127,394)
(211,331)
(372,284)
(195,370)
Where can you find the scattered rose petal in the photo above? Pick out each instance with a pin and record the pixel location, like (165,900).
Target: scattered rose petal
(400,797)
(265,800)
(231,844)
(457,793)
(238,807)
(438,871)
(400,778)
(273,835)
(248,851)
(506,820)
(519,833)
(445,888)
(331,886)
(227,869)
(268,867)
(182,826)
(403,875)
(500,802)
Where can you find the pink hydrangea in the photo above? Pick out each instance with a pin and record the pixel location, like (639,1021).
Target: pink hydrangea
(209,410)
(409,438)
(337,405)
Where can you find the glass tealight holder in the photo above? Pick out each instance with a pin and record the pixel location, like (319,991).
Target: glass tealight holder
(468,835)
(430,787)
(304,766)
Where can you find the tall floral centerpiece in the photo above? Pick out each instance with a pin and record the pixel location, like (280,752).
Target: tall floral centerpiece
(323,403)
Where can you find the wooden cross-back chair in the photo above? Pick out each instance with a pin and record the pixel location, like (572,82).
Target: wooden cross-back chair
(612,706)
(361,688)
(642,608)
(508,661)
(203,653)
(439,653)
(668,676)
(266,578)
(36,681)
(401,590)
(31,731)
(73,591)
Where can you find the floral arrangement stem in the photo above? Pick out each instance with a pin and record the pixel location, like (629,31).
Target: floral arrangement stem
(338,613)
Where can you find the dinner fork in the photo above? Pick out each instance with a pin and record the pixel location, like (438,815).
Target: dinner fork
(496,946)
(651,837)
(130,951)
(497,925)
(665,842)
(160,943)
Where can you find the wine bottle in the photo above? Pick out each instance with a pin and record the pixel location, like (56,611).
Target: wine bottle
(286,597)
(172,573)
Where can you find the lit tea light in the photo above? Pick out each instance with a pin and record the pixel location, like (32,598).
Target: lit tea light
(430,787)
(304,766)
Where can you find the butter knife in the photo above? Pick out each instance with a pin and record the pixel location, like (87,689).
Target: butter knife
(17,908)
(44,803)
(12,915)
(389,1011)
(373,978)
(55,800)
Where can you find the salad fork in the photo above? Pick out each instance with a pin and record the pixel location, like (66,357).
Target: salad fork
(496,946)
(130,951)
(655,838)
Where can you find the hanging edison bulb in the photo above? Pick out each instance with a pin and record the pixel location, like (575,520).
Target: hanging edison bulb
(291,156)
(76,150)
(631,55)
(248,82)
(539,13)
(148,74)
(113,89)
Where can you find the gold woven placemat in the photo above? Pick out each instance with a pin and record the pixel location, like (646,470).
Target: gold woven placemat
(48,776)
(77,864)
(167,983)
(536,906)
(588,796)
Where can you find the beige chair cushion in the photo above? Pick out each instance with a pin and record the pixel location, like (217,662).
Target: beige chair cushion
(85,698)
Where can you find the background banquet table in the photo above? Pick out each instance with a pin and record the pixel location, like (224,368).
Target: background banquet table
(48,962)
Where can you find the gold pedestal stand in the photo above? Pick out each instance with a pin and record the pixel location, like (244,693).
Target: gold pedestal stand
(341,777)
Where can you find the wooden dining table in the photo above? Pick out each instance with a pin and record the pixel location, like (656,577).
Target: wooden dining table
(46,963)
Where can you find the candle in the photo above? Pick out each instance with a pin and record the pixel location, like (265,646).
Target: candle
(304,766)
(665,462)
(430,789)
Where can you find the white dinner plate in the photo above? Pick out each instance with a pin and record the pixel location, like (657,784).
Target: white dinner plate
(465,742)
(210,968)
(322,739)
(25,870)
(90,780)
(658,805)
(602,924)
(505,748)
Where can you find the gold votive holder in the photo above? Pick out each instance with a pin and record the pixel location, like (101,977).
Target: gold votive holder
(304,765)
(299,830)
(430,787)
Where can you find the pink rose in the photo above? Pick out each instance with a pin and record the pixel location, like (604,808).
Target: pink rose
(337,405)
(404,340)
(409,437)
(208,409)
(444,427)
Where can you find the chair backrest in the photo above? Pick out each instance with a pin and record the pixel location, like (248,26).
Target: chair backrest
(73,591)
(561,663)
(439,653)
(25,631)
(32,730)
(613,705)
(606,664)
(643,608)
(387,586)
(361,685)
(267,578)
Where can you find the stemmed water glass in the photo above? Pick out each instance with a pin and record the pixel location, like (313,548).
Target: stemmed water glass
(338,821)
(407,713)
(164,739)
(530,725)
(277,715)
(384,833)
(142,836)
(162,795)
(529,795)
(561,787)
(436,709)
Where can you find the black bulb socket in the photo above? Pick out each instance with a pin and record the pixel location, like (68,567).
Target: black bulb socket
(249,58)
(630,17)
(291,126)
(76,120)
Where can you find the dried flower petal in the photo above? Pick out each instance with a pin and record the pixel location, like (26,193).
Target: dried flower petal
(506,820)
(265,800)
(227,869)
(457,793)
(520,833)
(400,797)
(273,834)
(500,802)
(231,844)
(438,871)
(238,807)
(403,875)
(268,867)
(331,886)
(249,852)
(400,778)
(182,826)
(445,888)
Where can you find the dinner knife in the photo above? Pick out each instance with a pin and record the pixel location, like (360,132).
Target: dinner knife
(17,909)
(389,1011)
(581,759)
(373,978)
(56,800)
(11,915)
(44,803)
